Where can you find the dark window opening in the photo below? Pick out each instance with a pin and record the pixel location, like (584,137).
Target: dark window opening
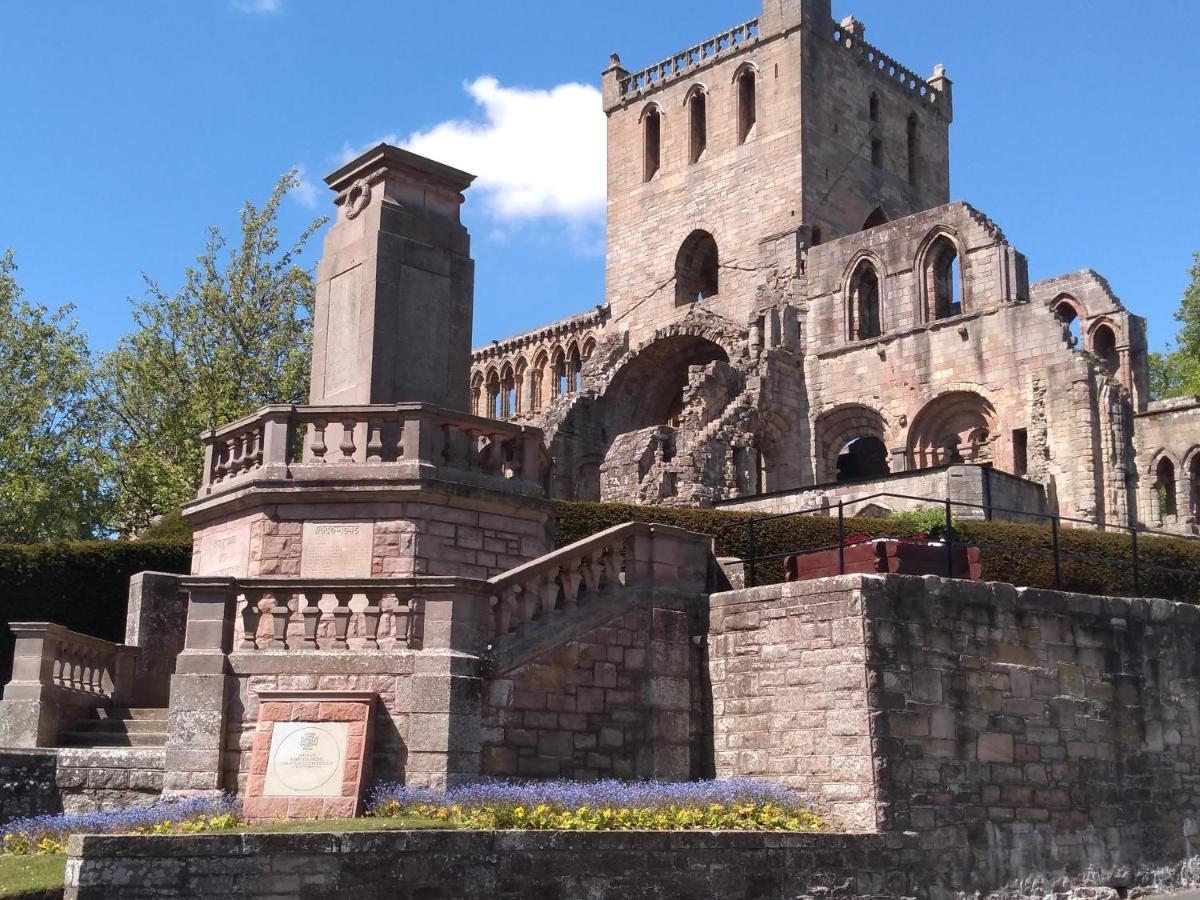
(874,108)
(943,279)
(1104,345)
(863,458)
(816,235)
(875,219)
(1164,487)
(1020,437)
(864,304)
(747,105)
(697,108)
(913,167)
(653,130)
(696,268)
(877,152)
(1068,316)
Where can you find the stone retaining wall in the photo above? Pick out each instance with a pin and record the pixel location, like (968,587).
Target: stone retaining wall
(437,864)
(27,783)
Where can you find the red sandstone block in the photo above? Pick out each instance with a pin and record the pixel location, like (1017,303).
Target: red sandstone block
(343,712)
(305,807)
(340,807)
(258,763)
(275,711)
(351,770)
(254,786)
(305,712)
(356,730)
(260,808)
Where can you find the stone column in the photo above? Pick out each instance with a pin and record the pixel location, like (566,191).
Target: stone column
(666,754)
(447,688)
(201,688)
(155,622)
(30,713)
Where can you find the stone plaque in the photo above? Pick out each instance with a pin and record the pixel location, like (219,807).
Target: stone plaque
(226,553)
(341,336)
(337,549)
(308,759)
(311,755)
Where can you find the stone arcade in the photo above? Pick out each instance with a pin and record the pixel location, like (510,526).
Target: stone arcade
(794,314)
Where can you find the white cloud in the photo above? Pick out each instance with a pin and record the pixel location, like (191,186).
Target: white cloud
(537,153)
(261,7)
(306,192)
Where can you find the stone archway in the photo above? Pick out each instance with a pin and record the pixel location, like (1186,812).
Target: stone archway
(958,427)
(841,427)
(648,389)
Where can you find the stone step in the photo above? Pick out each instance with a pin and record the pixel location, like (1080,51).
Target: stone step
(125,713)
(111,739)
(120,726)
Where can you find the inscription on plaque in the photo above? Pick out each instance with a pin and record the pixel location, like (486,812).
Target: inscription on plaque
(341,336)
(337,550)
(308,759)
(226,553)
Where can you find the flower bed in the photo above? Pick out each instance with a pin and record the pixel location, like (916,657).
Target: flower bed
(48,834)
(734,805)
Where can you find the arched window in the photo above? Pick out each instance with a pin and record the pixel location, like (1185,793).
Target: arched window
(652,140)
(1164,488)
(520,376)
(942,279)
(747,104)
(1104,345)
(875,219)
(1194,485)
(537,377)
(508,393)
(1068,316)
(495,404)
(876,151)
(558,373)
(574,365)
(696,267)
(477,406)
(913,166)
(863,301)
(874,107)
(863,458)
(698,124)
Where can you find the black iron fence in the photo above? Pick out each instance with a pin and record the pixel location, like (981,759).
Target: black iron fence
(1139,564)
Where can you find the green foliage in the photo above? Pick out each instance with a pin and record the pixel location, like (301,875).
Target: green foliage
(81,585)
(50,481)
(928,520)
(235,337)
(1177,373)
(172,527)
(746,816)
(1015,554)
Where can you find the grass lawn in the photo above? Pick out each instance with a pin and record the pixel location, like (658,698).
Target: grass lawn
(21,874)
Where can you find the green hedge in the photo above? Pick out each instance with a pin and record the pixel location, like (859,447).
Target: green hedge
(83,586)
(1009,552)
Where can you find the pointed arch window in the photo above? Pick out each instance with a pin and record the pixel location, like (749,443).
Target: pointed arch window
(874,107)
(913,167)
(1164,488)
(747,104)
(696,268)
(1104,345)
(652,142)
(697,124)
(942,279)
(865,318)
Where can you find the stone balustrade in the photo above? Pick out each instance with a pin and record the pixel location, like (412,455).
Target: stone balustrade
(405,440)
(686,60)
(327,615)
(57,674)
(891,70)
(636,554)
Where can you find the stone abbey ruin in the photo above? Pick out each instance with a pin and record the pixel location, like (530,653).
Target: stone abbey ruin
(796,315)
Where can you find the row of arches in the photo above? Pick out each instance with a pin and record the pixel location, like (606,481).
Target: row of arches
(957,427)
(940,287)
(696,106)
(513,387)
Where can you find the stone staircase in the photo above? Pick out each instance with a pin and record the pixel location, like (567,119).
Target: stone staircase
(117,727)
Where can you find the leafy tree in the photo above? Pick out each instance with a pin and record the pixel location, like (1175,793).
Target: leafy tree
(50,478)
(234,337)
(1177,372)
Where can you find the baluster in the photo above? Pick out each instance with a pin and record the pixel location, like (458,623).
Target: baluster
(416,623)
(347,445)
(527,602)
(280,614)
(370,621)
(341,618)
(318,447)
(591,573)
(233,449)
(85,671)
(76,669)
(390,619)
(612,565)
(251,616)
(256,448)
(375,442)
(58,678)
(97,676)
(548,591)
(222,466)
(312,617)
(505,606)
(570,579)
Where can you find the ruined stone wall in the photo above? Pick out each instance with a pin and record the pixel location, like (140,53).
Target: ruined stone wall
(1024,734)
(27,784)
(1169,430)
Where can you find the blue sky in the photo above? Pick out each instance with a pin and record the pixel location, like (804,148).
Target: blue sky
(130,126)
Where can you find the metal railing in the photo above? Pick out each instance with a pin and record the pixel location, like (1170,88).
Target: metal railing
(1139,566)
